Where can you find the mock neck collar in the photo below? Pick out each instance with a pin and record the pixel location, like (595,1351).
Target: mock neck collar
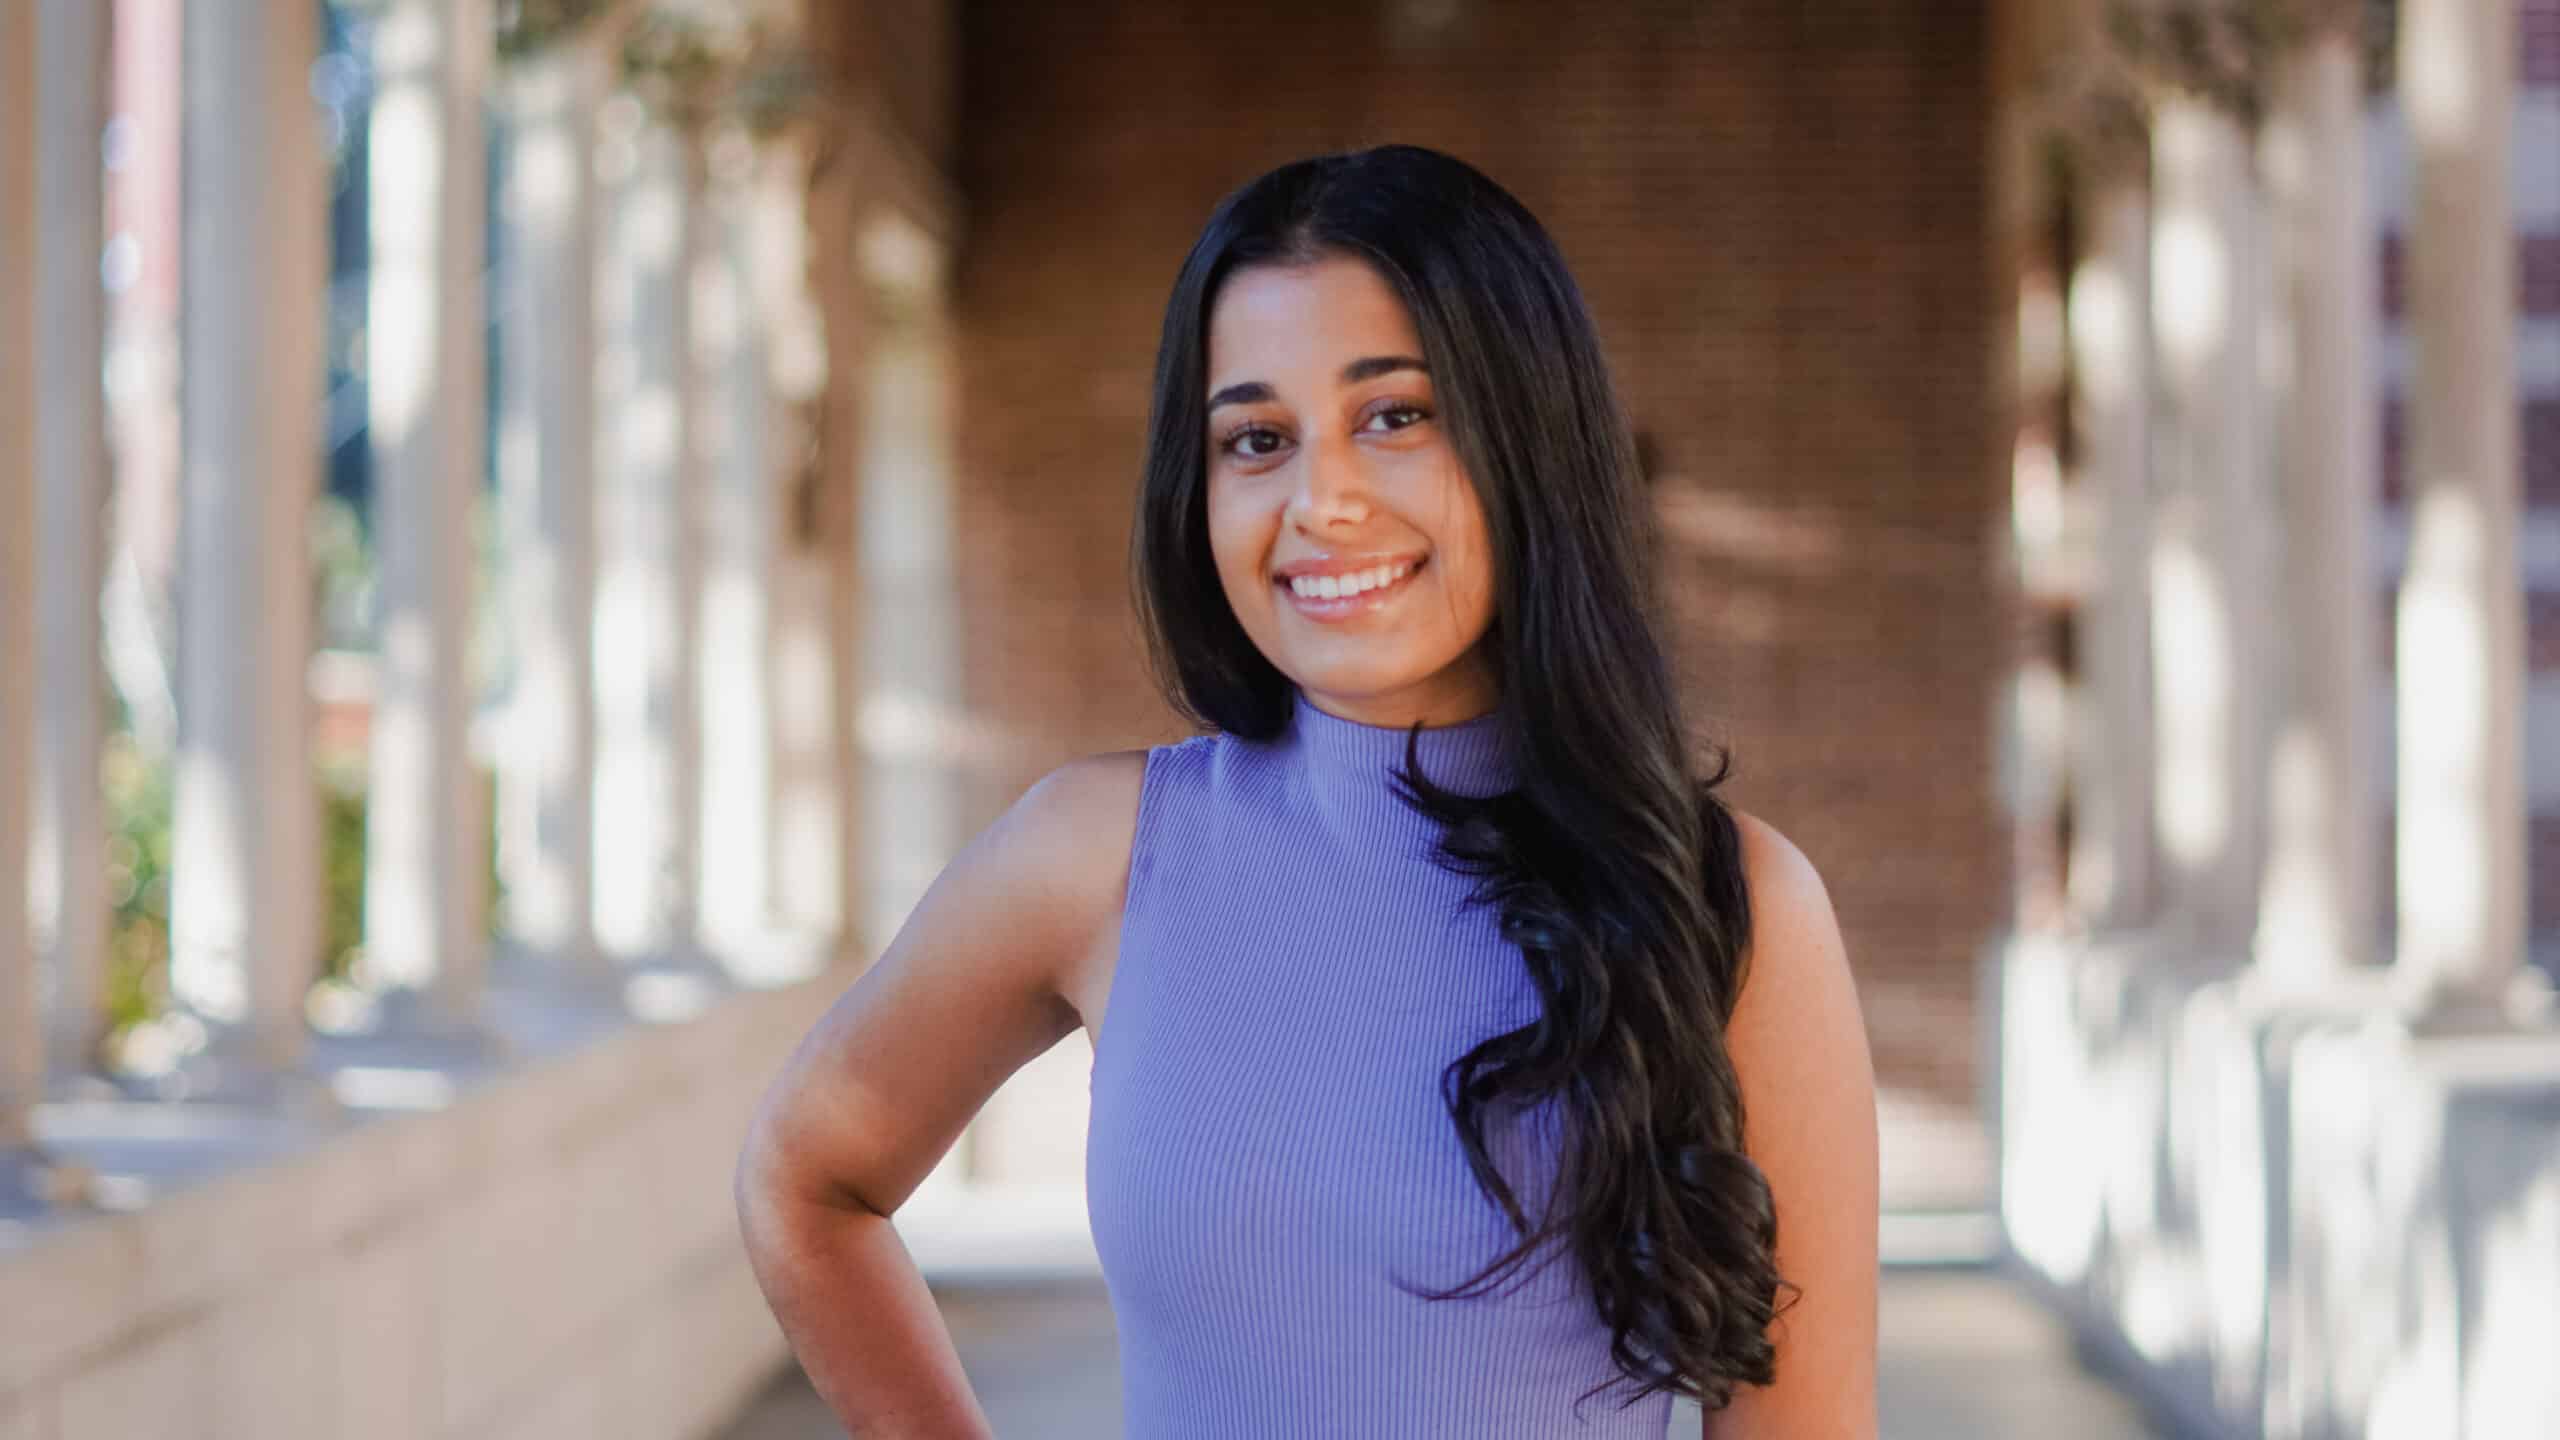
(1349,768)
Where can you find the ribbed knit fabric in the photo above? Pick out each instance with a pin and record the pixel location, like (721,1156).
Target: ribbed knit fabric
(1269,1146)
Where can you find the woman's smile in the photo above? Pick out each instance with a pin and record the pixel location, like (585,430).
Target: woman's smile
(1329,596)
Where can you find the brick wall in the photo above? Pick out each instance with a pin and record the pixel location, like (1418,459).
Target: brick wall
(1780,214)
(899,51)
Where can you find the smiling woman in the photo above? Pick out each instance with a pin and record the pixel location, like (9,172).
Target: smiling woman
(1460,1056)
(1349,543)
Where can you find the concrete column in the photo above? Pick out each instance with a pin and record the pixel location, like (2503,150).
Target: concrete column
(809,802)
(2316,913)
(908,721)
(547,494)
(71,500)
(145,329)
(2110,325)
(21,1023)
(805,809)
(687,526)
(244,908)
(646,736)
(2461,657)
(2037,739)
(30,1180)
(831,564)
(737,560)
(2211,551)
(628,432)
(426,902)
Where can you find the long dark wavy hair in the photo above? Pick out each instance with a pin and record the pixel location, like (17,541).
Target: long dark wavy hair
(1613,867)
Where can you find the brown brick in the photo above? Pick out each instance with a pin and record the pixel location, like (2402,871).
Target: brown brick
(2539,427)
(2538,43)
(2391,255)
(2537,274)
(2537,439)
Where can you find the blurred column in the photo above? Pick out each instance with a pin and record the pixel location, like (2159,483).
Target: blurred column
(2038,737)
(2212,526)
(908,720)
(2316,911)
(30,1181)
(687,522)
(426,899)
(805,814)
(2461,657)
(737,559)
(645,791)
(144,264)
(835,206)
(548,502)
(71,501)
(21,1023)
(244,907)
(2110,326)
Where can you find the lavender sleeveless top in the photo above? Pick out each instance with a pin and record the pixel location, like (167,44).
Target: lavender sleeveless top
(1269,1149)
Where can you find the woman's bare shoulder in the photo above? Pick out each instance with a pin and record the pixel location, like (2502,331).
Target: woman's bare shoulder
(1100,789)
(1072,831)
(1075,832)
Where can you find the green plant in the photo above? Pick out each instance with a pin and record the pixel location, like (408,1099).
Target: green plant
(342,819)
(140,810)
(2226,50)
(527,26)
(138,794)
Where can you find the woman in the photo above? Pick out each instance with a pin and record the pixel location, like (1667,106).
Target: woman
(1464,1066)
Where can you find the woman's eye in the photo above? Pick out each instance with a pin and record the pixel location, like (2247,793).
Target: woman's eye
(1244,442)
(1413,414)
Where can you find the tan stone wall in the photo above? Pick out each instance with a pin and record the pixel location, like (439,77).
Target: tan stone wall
(554,1254)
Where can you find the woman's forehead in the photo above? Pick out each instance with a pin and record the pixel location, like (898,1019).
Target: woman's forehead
(1310,316)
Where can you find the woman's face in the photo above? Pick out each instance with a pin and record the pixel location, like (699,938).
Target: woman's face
(1329,471)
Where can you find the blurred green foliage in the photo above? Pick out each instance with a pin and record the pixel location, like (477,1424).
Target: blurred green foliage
(139,815)
(527,26)
(341,873)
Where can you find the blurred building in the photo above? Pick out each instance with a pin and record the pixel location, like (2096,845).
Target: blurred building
(2109,458)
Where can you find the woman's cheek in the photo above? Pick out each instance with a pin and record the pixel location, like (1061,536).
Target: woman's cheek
(1240,575)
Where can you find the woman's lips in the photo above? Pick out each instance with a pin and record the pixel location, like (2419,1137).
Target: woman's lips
(1345,607)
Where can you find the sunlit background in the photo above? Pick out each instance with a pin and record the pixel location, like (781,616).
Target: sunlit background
(530,530)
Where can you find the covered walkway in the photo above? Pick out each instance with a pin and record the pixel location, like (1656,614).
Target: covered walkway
(1963,1358)
(530,530)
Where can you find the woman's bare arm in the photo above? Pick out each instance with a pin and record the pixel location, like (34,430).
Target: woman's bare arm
(974,986)
(1799,1044)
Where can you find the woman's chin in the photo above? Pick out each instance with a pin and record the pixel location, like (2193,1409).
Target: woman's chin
(1375,686)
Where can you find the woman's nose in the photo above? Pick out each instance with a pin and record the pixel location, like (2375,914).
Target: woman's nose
(1333,484)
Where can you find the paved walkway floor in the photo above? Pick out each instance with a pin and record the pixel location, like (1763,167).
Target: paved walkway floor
(1960,1355)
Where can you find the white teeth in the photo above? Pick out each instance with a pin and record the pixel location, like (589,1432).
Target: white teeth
(1329,587)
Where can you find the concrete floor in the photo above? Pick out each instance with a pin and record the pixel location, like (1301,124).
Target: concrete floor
(1960,1355)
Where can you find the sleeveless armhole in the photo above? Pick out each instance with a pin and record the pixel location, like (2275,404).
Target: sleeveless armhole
(1142,852)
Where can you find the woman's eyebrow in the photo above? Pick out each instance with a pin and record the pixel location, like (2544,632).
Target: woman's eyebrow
(1368,367)
(1250,392)
(1371,367)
